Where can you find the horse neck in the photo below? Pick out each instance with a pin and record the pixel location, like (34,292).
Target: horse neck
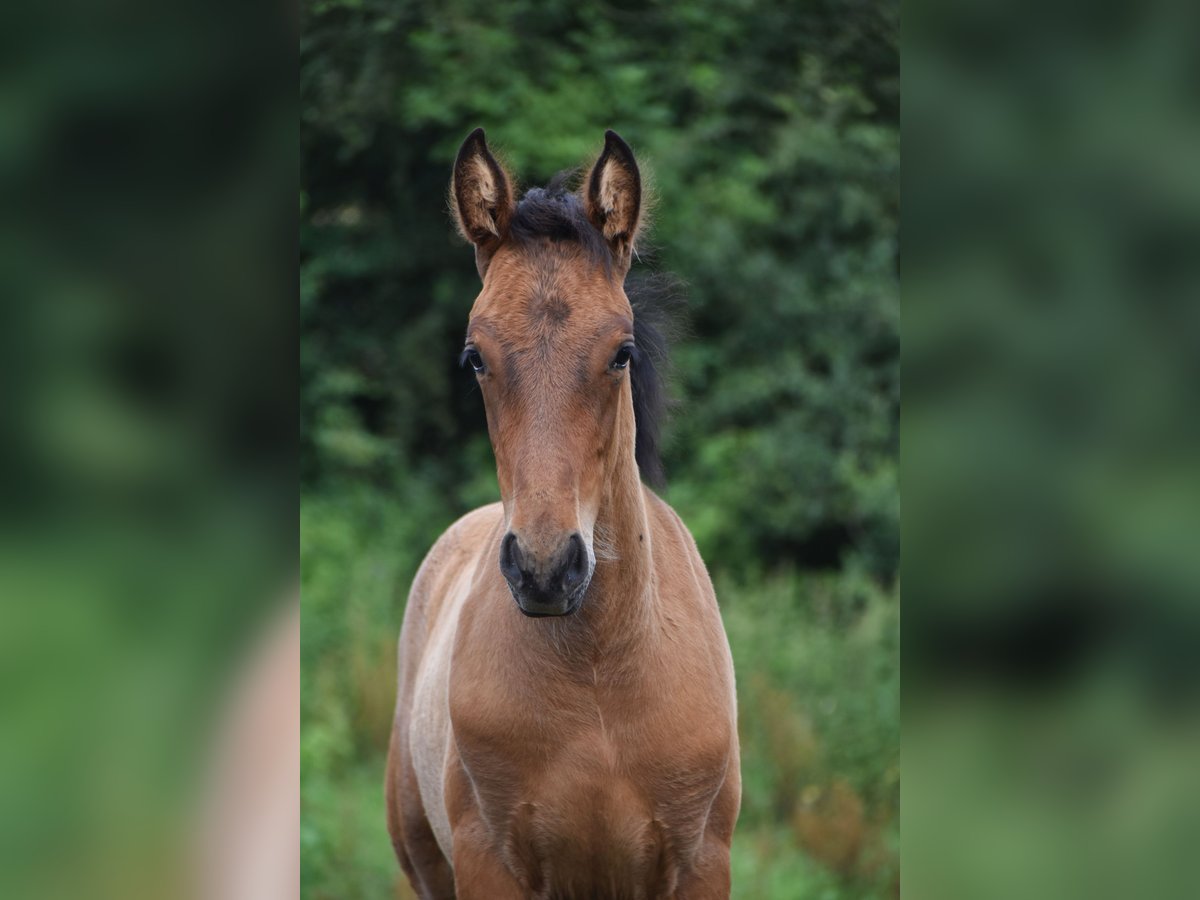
(620,604)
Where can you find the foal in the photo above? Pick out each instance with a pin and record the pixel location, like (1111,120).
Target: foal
(566,721)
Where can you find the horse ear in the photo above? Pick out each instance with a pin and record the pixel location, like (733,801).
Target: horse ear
(613,197)
(482,198)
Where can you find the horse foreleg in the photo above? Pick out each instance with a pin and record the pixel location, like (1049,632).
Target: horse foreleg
(416,848)
(479,873)
(708,879)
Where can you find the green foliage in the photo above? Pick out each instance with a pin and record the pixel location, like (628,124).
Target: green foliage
(817,662)
(771,134)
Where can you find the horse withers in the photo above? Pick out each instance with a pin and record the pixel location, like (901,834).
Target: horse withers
(566,724)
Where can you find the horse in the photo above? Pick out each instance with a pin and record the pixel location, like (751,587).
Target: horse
(566,720)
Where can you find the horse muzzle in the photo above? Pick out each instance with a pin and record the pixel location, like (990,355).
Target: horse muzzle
(547,587)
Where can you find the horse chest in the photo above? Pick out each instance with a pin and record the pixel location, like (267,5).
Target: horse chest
(591,793)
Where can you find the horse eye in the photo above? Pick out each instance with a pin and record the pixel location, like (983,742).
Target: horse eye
(471,356)
(621,360)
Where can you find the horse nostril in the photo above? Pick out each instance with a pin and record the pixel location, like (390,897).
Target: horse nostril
(510,560)
(576,568)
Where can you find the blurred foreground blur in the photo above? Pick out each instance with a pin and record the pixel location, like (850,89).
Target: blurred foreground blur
(1051,451)
(147,429)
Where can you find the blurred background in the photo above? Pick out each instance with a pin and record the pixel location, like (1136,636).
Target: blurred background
(771,134)
(147,433)
(1050,450)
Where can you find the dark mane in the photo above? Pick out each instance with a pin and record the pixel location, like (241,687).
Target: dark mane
(657,300)
(557,213)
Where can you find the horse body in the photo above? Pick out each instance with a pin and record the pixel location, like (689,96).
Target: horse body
(587,748)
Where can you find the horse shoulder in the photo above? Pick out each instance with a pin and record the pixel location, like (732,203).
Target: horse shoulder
(420,735)
(432,591)
(684,581)
(704,694)
(454,551)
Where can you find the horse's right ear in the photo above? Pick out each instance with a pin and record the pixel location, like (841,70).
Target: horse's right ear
(481,196)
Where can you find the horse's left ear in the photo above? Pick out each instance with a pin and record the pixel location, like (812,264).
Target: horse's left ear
(612,197)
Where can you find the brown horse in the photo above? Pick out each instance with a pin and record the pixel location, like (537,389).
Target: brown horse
(582,741)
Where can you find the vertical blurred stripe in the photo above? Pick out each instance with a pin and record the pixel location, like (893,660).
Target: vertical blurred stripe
(147,419)
(1050,449)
